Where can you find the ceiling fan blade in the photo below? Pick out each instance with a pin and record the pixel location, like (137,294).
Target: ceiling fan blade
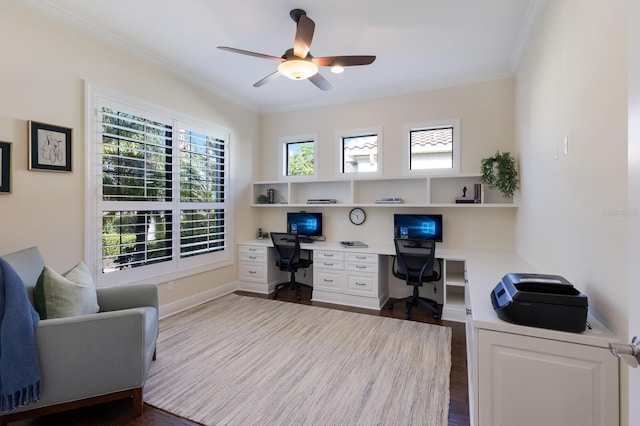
(267,79)
(320,82)
(246,52)
(304,35)
(344,61)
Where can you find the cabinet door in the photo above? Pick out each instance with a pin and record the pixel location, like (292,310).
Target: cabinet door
(528,381)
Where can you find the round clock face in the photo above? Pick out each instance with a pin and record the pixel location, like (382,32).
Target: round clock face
(357,216)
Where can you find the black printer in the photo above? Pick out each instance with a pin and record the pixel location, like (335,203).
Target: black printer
(537,300)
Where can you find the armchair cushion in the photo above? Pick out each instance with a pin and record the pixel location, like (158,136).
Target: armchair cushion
(67,295)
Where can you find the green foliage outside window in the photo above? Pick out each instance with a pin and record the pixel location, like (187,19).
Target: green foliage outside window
(301,161)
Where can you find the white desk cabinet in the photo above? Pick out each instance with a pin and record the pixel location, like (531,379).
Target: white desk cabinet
(529,376)
(256,269)
(349,278)
(529,381)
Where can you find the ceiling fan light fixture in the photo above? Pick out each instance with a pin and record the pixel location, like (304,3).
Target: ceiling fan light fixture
(297,69)
(337,69)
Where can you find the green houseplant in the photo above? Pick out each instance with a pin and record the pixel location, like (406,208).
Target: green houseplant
(500,172)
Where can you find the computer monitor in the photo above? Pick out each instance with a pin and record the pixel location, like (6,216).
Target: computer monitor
(304,224)
(418,226)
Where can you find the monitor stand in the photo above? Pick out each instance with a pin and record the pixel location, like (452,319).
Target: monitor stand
(305,239)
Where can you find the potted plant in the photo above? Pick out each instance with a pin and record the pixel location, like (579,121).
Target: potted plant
(500,172)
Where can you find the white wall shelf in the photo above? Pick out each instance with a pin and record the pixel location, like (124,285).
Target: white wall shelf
(429,191)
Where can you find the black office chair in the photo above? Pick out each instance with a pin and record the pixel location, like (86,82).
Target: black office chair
(288,258)
(413,263)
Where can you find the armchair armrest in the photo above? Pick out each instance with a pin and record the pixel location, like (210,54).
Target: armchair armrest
(94,354)
(127,297)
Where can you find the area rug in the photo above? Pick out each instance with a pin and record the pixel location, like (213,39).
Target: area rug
(241,360)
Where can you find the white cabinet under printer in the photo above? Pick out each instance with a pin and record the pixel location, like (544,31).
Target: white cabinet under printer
(529,376)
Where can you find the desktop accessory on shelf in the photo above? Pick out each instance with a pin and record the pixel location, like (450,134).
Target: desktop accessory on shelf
(289,258)
(414,263)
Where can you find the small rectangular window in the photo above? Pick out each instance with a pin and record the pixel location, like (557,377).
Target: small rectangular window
(299,157)
(360,154)
(433,147)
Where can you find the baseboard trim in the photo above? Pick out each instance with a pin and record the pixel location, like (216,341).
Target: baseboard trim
(198,299)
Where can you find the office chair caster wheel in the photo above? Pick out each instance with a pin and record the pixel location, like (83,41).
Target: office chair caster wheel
(274,297)
(407,316)
(390,306)
(436,316)
(298,297)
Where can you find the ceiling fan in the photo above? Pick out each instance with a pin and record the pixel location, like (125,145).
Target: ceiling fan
(298,63)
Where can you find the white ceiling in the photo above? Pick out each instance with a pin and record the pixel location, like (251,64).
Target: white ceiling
(419,44)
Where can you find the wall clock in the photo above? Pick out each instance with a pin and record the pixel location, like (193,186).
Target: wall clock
(357,216)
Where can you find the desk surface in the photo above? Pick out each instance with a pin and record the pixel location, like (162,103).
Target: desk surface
(383,249)
(484,270)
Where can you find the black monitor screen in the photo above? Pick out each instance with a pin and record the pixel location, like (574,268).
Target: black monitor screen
(418,226)
(304,223)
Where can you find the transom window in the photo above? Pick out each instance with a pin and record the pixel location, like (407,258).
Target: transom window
(299,156)
(433,147)
(359,152)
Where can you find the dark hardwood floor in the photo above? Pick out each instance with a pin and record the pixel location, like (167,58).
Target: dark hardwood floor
(121,412)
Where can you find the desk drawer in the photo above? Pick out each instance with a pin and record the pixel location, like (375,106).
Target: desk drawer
(337,265)
(253,258)
(320,255)
(252,250)
(363,284)
(362,267)
(256,272)
(361,258)
(327,280)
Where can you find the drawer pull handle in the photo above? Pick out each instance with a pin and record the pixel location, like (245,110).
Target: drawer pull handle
(361,267)
(327,281)
(328,264)
(361,284)
(253,249)
(361,257)
(327,255)
(253,257)
(252,272)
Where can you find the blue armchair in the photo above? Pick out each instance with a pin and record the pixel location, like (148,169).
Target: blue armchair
(94,358)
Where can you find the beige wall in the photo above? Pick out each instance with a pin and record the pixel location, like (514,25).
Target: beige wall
(41,79)
(574,213)
(486,113)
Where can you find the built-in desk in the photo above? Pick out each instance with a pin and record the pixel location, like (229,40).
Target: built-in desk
(518,375)
(351,276)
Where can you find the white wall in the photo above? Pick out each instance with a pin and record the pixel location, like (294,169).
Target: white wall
(41,79)
(486,113)
(634,196)
(574,213)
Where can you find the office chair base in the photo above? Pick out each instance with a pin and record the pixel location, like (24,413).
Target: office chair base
(412,301)
(295,286)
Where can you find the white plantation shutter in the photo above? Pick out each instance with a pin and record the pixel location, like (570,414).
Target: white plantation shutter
(202,193)
(161,193)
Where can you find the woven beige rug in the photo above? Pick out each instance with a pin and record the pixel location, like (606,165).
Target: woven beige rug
(246,361)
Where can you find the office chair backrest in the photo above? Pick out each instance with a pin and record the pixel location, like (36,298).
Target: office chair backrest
(415,258)
(287,248)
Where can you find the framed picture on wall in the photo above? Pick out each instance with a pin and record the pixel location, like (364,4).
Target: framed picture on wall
(49,147)
(5,167)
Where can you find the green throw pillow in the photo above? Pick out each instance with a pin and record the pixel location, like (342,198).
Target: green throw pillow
(70,294)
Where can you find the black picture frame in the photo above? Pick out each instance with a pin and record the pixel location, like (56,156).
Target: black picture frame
(49,147)
(5,167)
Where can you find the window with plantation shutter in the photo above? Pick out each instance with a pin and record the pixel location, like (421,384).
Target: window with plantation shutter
(161,187)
